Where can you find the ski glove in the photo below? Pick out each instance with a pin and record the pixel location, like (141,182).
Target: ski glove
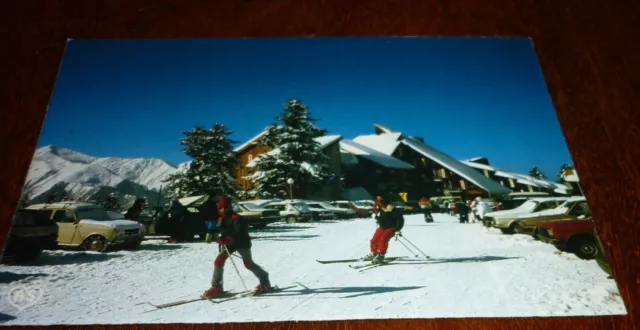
(225,241)
(398,234)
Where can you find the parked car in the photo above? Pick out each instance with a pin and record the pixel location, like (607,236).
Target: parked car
(292,211)
(32,231)
(504,220)
(362,209)
(572,208)
(338,213)
(88,226)
(601,256)
(257,217)
(570,235)
(186,223)
(510,204)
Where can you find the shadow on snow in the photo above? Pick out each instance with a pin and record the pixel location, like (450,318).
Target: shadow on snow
(356,291)
(8,277)
(284,238)
(49,259)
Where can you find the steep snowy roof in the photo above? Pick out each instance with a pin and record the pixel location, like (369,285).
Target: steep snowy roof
(456,166)
(474,159)
(373,155)
(479,166)
(250,142)
(328,140)
(383,129)
(324,142)
(505,175)
(385,143)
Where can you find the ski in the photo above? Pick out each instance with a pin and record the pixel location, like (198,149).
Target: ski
(353,260)
(245,294)
(186,301)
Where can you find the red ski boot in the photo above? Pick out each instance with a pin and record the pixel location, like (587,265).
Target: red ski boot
(213,292)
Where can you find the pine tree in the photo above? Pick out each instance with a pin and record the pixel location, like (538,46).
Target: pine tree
(213,159)
(297,156)
(536,173)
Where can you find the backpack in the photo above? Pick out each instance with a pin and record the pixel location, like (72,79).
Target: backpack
(400,221)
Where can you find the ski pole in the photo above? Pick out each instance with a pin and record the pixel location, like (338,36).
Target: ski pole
(405,245)
(224,247)
(408,241)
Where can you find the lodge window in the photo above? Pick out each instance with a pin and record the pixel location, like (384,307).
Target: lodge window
(462,184)
(250,158)
(443,173)
(424,162)
(511,183)
(502,182)
(486,173)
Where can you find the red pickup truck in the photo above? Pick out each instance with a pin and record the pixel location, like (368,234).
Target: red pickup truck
(570,235)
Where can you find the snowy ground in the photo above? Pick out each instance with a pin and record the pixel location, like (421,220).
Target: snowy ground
(474,273)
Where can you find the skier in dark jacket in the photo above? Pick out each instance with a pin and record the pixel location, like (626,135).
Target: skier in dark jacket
(133,213)
(234,236)
(390,223)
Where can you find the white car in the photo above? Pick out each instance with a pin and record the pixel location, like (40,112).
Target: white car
(561,209)
(291,211)
(505,220)
(338,213)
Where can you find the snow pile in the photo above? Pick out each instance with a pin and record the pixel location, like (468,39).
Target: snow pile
(474,272)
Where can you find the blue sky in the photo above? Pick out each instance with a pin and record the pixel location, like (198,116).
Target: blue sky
(467,97)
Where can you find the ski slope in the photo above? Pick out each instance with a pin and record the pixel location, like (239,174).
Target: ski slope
(474,272)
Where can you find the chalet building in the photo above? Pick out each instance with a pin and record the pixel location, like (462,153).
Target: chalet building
(245,154)
(371,170)
(435,173)
(517,182)
(250,150)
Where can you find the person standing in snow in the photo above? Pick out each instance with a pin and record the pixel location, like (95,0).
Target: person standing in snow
(133,213)
(425,205)
(209,213)
(482,208)
(463,212)
(473,204)
(234,236)
(390,223)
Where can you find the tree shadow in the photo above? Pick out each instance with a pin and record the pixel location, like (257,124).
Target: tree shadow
(284,238)
(6,317)
(356,291)
(47,259)
(8,277)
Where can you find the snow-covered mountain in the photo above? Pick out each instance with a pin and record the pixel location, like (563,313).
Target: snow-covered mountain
(84,175)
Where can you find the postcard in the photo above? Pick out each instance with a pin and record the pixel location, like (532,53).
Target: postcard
(301,179)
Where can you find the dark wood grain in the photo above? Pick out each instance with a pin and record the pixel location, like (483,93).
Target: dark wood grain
(588,51)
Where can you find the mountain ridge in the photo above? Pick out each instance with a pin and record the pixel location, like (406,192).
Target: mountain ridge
(83,176)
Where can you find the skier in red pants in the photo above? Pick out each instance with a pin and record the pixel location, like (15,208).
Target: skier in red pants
(234,235)
(390,222)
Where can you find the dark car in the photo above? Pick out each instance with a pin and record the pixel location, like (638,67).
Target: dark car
(601,257)
(32,232)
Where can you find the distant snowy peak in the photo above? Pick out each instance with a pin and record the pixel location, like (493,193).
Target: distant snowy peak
(64,153)
(82,173)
